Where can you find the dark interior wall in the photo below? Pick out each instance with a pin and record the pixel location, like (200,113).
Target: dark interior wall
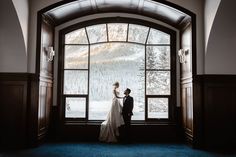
(215,93)
(219,110)
(15,91)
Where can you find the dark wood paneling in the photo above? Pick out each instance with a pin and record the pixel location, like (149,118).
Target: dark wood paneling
(44,108)
(198,112)
(45,69)
(33,98)
(42,111)
(219,110)
(186,84)
(187,108)
(215,111)
(14,93)
(40,98)
(13,113)
(210,120)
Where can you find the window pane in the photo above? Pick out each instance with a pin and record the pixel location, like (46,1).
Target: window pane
(75,82)
(137,33)
(75,107)
(76,37)
(112,62)
(117,32)
(97,33)
(158,108)
(76,57)
(158,83)
(158,37)
(158,57)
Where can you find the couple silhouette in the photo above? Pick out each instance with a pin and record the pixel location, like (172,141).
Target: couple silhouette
(117,124)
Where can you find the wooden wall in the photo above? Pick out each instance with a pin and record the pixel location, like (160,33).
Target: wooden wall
(15,92)
(219,111)
(209,121)
(187,108)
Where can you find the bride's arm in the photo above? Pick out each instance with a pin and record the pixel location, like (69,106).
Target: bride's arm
(114,91)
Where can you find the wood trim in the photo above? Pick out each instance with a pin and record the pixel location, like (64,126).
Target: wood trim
(181,23)
(194,45)
(14,76)
(57,4)
(38,43)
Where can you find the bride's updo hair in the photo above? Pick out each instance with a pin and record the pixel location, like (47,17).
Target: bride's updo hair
(116,84)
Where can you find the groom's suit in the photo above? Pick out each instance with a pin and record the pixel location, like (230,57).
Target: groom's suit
(128,104)
(127,110)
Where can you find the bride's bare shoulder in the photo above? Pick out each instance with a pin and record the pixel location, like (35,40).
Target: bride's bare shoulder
(116,91)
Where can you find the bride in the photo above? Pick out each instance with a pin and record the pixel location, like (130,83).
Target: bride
(109,130)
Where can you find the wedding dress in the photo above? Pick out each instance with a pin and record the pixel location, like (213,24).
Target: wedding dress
(110,127)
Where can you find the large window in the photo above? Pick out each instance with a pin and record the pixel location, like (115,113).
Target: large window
(137,56)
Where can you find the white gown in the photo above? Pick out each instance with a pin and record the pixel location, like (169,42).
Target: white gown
(110,127)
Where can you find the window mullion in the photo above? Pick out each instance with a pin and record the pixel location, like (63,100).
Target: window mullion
(107,32)
(127,36)
(87,101)
(147,36)
(145,79)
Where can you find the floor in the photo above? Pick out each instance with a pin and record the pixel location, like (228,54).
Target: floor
(113,150)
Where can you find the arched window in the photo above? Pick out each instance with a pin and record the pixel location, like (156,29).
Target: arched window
(139,56)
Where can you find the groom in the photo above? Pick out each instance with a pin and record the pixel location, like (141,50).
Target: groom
(128,104)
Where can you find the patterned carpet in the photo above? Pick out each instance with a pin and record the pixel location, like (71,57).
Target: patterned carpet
(113,150)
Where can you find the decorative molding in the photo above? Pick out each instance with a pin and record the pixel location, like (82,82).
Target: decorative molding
(186,80)
(48,19)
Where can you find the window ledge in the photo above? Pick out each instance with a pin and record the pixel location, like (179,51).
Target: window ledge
(133,123)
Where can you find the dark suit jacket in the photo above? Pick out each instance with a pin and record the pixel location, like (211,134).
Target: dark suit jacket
(128,105)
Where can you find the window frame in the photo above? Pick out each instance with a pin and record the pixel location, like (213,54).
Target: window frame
(171,97)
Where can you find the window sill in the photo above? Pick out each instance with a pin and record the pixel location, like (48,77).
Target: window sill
(133,123)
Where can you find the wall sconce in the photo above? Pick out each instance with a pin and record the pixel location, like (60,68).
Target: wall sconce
(50,53)
(182,55)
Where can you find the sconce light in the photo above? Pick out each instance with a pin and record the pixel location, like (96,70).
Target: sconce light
(50,53)
(182,55)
